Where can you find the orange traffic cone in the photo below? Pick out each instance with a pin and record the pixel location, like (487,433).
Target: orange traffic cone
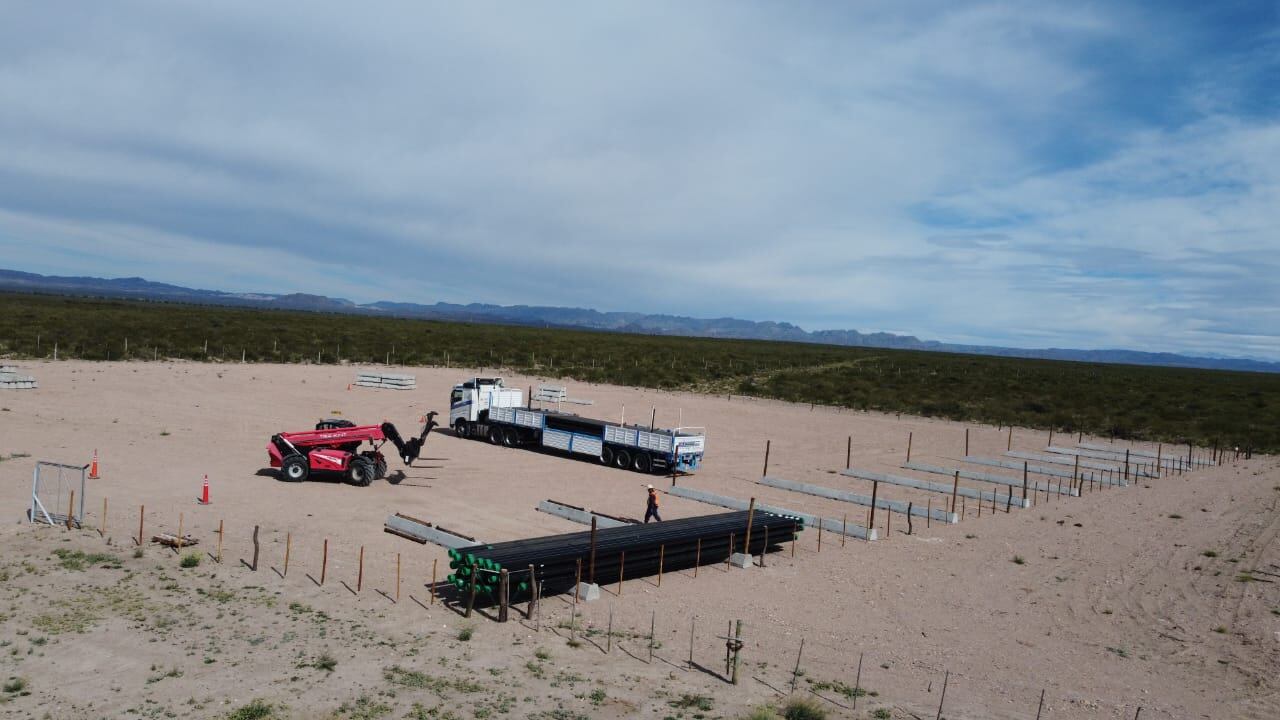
(93,467)
(204,493)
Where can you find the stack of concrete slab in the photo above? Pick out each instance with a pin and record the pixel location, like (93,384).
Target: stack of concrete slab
(389,381)
(11,380)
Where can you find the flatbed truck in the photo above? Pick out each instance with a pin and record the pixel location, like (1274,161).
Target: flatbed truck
(483,409)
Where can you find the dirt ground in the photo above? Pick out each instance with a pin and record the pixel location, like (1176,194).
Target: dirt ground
(1162,595)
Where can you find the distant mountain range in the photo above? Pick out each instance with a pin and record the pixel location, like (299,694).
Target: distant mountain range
(583,318)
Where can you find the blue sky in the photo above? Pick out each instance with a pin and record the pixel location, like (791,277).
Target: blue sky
(1028,174)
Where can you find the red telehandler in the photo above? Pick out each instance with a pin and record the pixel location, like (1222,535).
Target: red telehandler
(334,446)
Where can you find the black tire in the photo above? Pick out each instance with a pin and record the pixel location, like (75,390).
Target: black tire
(642,463)
(295,468)
(511,437)
(606,455)
(462,429)
(621,459)
(495,435)
(360,472)
(380,468)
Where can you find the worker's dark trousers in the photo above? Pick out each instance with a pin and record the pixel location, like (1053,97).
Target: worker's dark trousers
(652,513)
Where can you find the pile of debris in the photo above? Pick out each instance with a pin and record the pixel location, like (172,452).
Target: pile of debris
(11,380)
(386,380)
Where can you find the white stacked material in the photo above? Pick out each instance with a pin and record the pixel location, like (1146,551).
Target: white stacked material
(11,380)
(386,380)
(556,394)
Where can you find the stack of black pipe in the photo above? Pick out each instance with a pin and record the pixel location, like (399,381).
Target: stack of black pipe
(679,543)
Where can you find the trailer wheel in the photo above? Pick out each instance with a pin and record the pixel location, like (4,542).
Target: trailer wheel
(461,429)
(511,437)
(622,459)
(360,472)
(642,463)
(495,435)
(606,455)
(295,468)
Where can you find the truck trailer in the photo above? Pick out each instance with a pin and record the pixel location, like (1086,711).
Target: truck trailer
(482,409)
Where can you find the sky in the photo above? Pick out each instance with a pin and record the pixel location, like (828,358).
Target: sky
(1039,174)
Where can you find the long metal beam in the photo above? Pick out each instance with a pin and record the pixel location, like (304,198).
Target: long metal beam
(424,532)
(988,478)
(903,481)
(1172,456)
(579,515)
(1099,455)
(865,500)
(828,524)
(1063,460)
(1039,469)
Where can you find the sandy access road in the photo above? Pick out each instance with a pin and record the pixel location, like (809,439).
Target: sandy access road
(1116,604)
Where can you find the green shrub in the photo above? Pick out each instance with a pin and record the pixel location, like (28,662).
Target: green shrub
(803,709)
(255,710)
(190,560)
(465,633)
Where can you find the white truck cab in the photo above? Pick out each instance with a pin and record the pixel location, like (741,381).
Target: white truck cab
(470,401)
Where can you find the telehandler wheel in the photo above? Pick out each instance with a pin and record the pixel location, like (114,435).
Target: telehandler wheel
(606,455)
(380,468)
(511,437)
(642,463)
(360,472)
(495,435)
(622,459)
(295,468)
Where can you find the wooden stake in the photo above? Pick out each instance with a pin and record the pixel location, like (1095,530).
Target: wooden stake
(662,550)
(360,572)
(693,621)
(504,572)
(471,596)
(819,534)
(653,625)
(591,565)
(577,581)
(767,443)
(909,446)
(955,490)
(622,563)
(255,549)
(288,545)
(737,648)
(1009,445)
(764,550)
(928,513)
(178,545)
(857,682)
(71,505)
(503,587)
(436,561)
(533,589)
(795,674)
(1041,706)
(888,524)
(324,561)
(220,533)
(102,531)
(966,442)
(848,454)
(844,529)
(875,488)
(697,558)
(909,506)
(943,699)
(732,543)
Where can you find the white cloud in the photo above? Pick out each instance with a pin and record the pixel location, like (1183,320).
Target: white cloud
(749,159)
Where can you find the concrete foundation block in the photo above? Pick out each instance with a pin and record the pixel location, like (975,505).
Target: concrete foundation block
(742,560)
(588,592)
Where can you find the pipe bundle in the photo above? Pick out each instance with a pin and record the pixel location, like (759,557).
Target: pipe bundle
(631,551)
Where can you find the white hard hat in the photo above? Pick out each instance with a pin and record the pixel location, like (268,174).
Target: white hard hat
(650,487)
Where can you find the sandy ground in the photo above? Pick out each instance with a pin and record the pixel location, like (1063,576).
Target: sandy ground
(1116,604)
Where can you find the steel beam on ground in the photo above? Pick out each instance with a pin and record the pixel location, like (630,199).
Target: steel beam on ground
(1069,460)
(580,515)
(856,499)
(1165,459)
(424,532)
(1038,469)
(988,478)
(903,481)
(828,524)
(1097,454)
